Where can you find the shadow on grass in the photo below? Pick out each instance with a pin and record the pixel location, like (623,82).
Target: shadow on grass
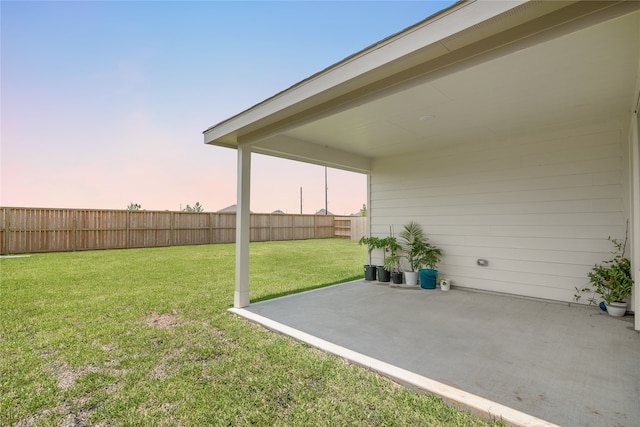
(308,288)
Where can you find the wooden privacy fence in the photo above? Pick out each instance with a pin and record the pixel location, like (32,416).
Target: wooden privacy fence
(29,230)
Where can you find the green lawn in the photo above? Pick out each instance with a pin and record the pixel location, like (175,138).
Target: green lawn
(142,337)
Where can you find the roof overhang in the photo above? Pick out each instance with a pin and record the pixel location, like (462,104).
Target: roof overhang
(476,70)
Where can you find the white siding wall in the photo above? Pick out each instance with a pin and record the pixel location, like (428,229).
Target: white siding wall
(539,208)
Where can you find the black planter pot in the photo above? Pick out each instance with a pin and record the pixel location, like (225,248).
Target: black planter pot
(370,272)
(383,275)
(396,278)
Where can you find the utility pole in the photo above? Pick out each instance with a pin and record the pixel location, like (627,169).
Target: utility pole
(300,200)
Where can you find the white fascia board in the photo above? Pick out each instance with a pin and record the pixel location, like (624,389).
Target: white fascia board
(294,149)
(430,32)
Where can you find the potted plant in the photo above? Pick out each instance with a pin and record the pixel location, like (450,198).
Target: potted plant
(429,257)
(412,243)
(371,243)
(392,261)
(611,280)
(388,245)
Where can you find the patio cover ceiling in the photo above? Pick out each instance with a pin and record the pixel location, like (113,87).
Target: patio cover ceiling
(475,71)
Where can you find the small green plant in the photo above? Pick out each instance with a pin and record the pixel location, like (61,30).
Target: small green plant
(392,261)
(612,279)
(371,243)
(430,256)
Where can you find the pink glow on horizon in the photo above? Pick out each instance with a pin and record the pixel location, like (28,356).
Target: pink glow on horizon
(104,103)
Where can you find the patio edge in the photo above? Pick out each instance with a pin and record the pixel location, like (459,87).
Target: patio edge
(460,398)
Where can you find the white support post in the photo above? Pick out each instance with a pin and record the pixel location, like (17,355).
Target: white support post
(369,204)
(243,220)
(635,211)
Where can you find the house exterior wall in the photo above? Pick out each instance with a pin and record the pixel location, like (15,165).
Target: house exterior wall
(634,142)
(539,208)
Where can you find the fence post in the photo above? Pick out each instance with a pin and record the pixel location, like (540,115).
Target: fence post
(7,224)
(315,226)
(172,228)
(127,229)
(293,228)
(75,230)
(210,216)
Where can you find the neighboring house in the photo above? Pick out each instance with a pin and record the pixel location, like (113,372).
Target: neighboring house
(230,209)
(509,130)
(323,212)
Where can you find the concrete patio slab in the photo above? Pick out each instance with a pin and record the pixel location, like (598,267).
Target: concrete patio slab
(532,362)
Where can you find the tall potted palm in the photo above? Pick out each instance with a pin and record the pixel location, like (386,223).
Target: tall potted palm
(421,256)
(412,243)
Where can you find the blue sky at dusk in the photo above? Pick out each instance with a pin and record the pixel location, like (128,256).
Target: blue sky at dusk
(104,103)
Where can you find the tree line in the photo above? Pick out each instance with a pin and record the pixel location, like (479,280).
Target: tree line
(195,208)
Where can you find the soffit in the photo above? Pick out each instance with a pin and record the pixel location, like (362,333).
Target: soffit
(586,76)
(551,72)
(460,25)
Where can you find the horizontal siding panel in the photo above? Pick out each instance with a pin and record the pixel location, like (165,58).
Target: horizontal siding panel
(566,257)
(478,170)
(521,277)
(537,291)
(572,232)
(554,268)
(539,208)
(390,198)
(549,207)
(477,186)
(585,219)
(607,167)
(522,254)
(536,243)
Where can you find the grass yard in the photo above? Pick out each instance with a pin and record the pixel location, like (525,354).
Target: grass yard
(141,337)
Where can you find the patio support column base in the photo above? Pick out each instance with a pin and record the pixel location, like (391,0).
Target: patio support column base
(241,299)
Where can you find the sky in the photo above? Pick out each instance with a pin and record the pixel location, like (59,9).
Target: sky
(103,104)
